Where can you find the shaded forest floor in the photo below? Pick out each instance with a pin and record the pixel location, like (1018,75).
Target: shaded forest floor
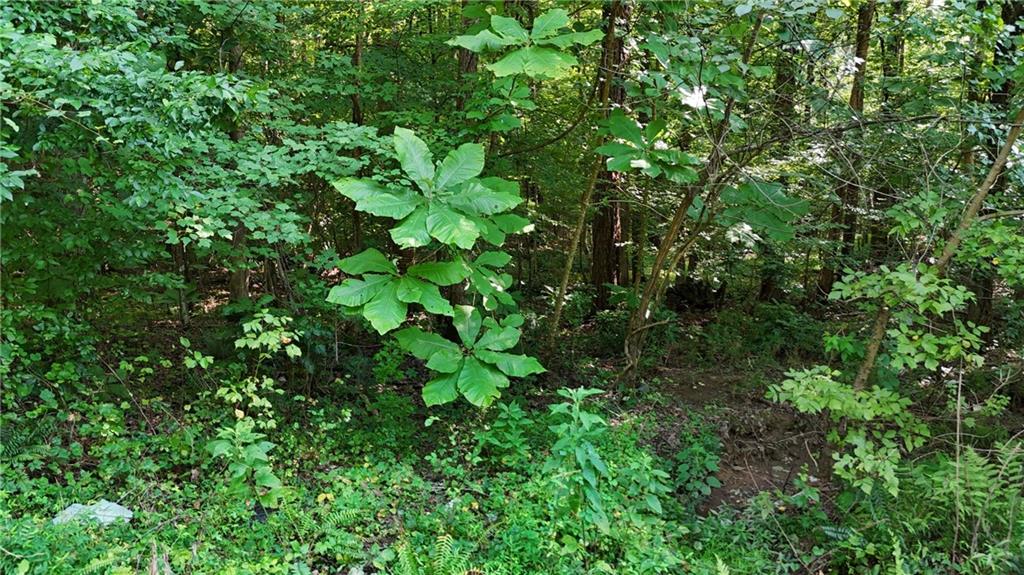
(702,470)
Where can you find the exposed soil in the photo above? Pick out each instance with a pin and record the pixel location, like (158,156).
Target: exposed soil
(764,445)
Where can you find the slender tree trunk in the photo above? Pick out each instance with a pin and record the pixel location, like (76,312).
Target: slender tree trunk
(468,63)
(784,106)
(883,196)
(357,119)
(707,183)
(845,212)
(179,254)
(639,243)
(238,282)
(982,282)
(604,79)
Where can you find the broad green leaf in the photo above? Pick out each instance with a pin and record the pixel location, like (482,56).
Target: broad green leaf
(501,185)
(493,259)
(476,198)
(513,320)
(473,10)
(461,164)
(441,273)
(535,62)
(492,286)
(450,227)
(355,292)
(264,477)
(626,128)
(467,322)
(409,290)
(388,205)
(415,157)
(357,189)
(445,362)
(623,163)
(432,301)
(504,122)
(511,364)
(479,382)
(412,231)
(237,470)
(681,174)
(509,28)
(513,224)
(385,311)
(615,149)
(579,38)
(218,447)
(654,129)
(499,339)
(441,390)
(424,345)
(489,230)
(549,23)
(370,260)
(481,42)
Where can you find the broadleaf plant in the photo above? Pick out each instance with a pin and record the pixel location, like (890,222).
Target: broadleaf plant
(644,149)
(450,208)
(539,53)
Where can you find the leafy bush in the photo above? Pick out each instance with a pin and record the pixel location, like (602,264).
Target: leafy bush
(696,462)
(768,331)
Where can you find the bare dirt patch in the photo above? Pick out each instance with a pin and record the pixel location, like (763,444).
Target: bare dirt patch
(764,445)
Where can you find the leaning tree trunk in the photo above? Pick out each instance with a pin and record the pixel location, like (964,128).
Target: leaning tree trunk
(968,218)
(708,184)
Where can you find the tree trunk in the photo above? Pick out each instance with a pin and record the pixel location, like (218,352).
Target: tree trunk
(892,68)
(708,183)
(949,249)
(179,254)
(608,230)
(468,63)
(784,106)
(845,212)
(605,76)
(238,282)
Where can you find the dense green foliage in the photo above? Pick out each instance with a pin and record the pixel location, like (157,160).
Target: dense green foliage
(512,286)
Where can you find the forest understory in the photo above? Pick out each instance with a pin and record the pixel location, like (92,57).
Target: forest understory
(511,287)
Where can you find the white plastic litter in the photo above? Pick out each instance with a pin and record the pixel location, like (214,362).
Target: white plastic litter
(103,511)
